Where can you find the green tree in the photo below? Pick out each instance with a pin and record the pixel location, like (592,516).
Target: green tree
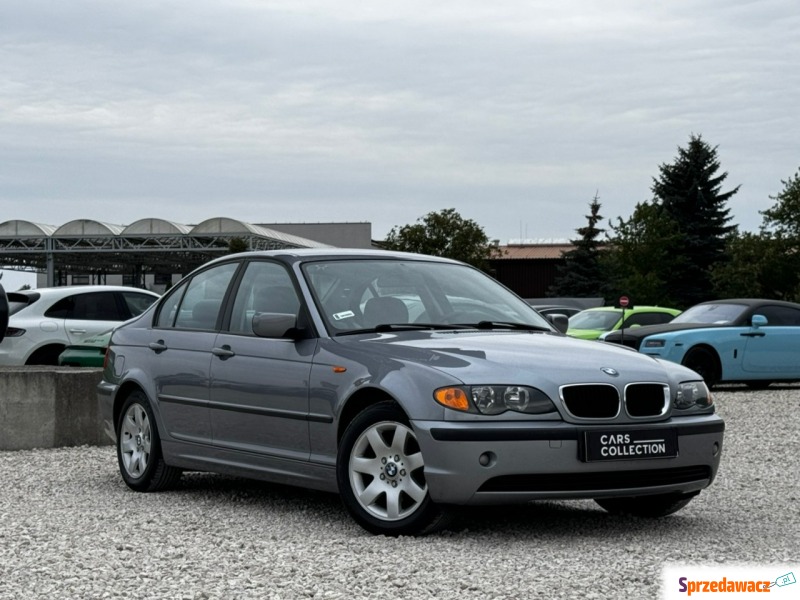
(690,192)
(783,219)
(758,266)
(444,233)
(666,251)
(638,261)
(582,275)
(767,265)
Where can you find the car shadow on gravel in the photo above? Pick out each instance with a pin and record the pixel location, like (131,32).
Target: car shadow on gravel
(559,519)
(543,519)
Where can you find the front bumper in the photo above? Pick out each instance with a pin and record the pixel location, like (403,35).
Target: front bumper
(505,462)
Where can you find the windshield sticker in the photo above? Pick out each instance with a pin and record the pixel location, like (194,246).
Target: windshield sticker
(344,315)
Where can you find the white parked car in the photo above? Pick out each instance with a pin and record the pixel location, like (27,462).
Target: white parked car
(42,322)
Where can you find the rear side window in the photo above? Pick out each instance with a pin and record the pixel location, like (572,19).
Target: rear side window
(95,306)
(135,303)
(16,301)
(196,304)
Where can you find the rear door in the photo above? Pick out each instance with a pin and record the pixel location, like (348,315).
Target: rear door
(87,314)
(180,345)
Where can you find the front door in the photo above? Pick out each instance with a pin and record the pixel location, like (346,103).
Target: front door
(260,386)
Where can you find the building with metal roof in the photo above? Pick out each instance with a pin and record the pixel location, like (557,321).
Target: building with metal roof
(150,252)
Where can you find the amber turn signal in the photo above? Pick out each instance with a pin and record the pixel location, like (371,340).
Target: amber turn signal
(452,397)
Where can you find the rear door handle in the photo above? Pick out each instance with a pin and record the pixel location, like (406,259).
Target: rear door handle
(158,346)
(224,352)
(77,331)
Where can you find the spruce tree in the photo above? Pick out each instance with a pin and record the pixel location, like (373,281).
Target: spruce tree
(689,191)
(581,275)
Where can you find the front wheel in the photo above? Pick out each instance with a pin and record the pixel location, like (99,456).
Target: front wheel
(141,463)
(646,506)
(704,362)
(380,472)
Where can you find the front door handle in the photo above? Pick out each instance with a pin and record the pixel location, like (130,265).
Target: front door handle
(753,334)
(224,352)
(158,346)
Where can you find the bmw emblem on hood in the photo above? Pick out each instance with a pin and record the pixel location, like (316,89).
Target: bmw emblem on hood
(609,371)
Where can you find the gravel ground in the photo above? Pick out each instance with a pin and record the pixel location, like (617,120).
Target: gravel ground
(69,528)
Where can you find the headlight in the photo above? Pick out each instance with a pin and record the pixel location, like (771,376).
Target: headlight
(495,399)
(654,343)
(693,393)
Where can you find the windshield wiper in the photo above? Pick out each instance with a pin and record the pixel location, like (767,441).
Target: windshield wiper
(508,325)
(386,327)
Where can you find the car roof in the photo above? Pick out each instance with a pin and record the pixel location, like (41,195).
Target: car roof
(77,289)
(307,254)
(750,302)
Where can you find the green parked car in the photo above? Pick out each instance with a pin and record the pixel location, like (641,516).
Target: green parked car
(591,323)
(91,352)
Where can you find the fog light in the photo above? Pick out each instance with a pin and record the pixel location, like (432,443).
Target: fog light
(487,459)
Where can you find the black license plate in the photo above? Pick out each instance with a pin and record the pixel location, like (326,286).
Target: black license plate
(631,445)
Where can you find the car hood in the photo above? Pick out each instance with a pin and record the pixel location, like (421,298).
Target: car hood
(639,333)
(495,357)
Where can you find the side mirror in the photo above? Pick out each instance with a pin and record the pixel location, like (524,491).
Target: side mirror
(276,325)
(3,313)
(758,321)
(560,322)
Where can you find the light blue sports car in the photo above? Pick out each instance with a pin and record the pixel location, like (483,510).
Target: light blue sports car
(741,340)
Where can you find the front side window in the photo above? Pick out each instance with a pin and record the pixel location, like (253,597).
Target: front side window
(780,315)
(266,287)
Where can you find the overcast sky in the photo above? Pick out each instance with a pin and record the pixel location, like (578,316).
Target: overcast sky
(515,113)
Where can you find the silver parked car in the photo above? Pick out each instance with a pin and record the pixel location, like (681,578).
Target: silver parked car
(407,383)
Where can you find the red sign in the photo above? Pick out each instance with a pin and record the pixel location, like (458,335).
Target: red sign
(624,301)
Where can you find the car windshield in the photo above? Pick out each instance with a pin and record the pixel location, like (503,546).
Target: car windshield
(355,295)
(603,320)
(719,314)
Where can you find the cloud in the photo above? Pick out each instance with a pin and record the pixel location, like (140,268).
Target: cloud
(512,112)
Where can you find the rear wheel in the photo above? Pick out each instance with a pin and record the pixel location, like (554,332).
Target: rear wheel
(380,472)
(48,355)
(646,506)
(139,448)
(704,361)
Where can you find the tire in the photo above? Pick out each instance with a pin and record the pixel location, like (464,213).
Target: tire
(48,355)
(758,385)
(705,362)
(380,472)
(651,507)
(141,463)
